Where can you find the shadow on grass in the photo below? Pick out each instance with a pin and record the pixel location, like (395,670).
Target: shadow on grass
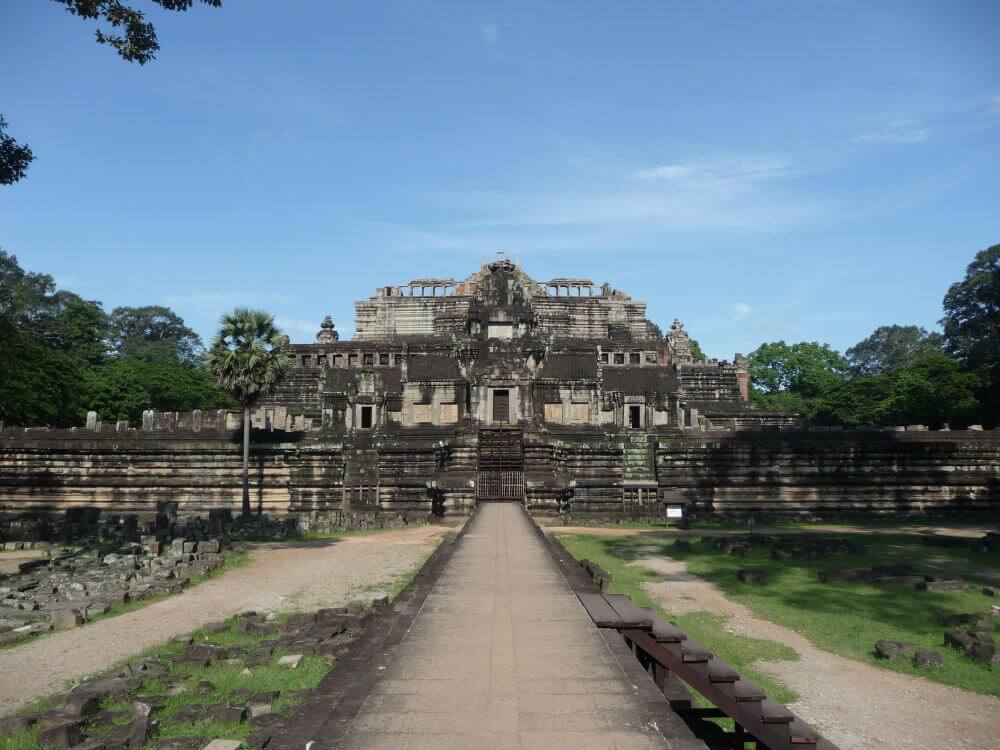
(846,618)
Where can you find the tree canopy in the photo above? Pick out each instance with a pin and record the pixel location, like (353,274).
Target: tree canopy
(794,376)
(891,347)
(246,358)
(972,323)
(154,334)
(62,355)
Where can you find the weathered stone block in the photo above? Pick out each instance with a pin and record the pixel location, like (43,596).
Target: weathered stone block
(894,650)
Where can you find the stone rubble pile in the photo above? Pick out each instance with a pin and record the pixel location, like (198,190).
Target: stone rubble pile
(900,573)
(73,585)
(784,547)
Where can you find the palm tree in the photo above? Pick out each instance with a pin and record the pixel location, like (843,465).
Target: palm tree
(247,363)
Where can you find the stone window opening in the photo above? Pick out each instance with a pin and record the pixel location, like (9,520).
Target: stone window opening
(369,359)
(383,358)
(604,358)
(352,360)
(367,417)
(619,358)
(633,358)
(634,416)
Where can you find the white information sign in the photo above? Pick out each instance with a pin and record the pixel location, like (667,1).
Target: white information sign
(675,511)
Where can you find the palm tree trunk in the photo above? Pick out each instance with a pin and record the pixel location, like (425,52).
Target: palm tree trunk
(246,461)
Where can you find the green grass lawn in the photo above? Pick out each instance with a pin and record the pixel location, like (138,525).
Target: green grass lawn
(846,618)
(705,627)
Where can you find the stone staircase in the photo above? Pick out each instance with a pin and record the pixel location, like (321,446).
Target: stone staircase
(638,459)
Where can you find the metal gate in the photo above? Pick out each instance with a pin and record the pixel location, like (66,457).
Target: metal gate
(501,465)
(500,485)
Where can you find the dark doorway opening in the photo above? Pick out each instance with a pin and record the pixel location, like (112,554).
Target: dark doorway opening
(501,406)
(633,417)
(366,417)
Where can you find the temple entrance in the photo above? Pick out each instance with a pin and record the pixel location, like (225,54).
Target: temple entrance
(501,465)
(633,417)
(501,406)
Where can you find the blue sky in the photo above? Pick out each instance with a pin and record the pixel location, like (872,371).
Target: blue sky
(767,170)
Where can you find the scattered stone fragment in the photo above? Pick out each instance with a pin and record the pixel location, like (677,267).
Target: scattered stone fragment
(752,575)
(928,659)
(63,734)
(140,730)
(224,745)
(82,704)
(990,591)
(290,660)
(204,688)
(941,585)
(215,627)
(682,545)
(258,709)
(894,650)
(66,618)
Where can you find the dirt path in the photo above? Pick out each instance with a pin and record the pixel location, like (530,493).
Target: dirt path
(856,706)
(278,577)
(10,560)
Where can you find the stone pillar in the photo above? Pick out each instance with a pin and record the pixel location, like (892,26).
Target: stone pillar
(147,420)
(91,420)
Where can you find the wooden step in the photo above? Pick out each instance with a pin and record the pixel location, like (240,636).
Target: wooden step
(800,733)
(746,692)
(772,712)
(719,671)
(667,632)
(600,611)
(631,615)
(694,653)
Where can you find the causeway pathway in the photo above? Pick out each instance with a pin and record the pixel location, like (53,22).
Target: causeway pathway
(503,655)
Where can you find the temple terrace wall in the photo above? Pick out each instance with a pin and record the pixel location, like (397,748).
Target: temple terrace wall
(603,472)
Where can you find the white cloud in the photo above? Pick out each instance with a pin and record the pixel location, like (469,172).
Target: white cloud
(740,310)
(993,108)
(901,131)
(489,32)
(745,168)
(214,304)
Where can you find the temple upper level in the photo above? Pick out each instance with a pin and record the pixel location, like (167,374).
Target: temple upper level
(501,301)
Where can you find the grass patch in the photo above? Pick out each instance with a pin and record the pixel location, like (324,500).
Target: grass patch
(25,739)
(705,627)
(846,618)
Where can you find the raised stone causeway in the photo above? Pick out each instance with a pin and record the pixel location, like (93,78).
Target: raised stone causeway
(500,654)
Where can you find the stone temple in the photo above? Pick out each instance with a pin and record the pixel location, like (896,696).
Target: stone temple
(519,383)
(557,394)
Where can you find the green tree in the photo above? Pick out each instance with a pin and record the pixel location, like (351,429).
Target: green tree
(696,353)
(38,385)
(972,324)
(247,363)
(133,38)
(793,377)
(154,334)
(124,388)
(933,389)
(891,347)
(79,328)
(14,157)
